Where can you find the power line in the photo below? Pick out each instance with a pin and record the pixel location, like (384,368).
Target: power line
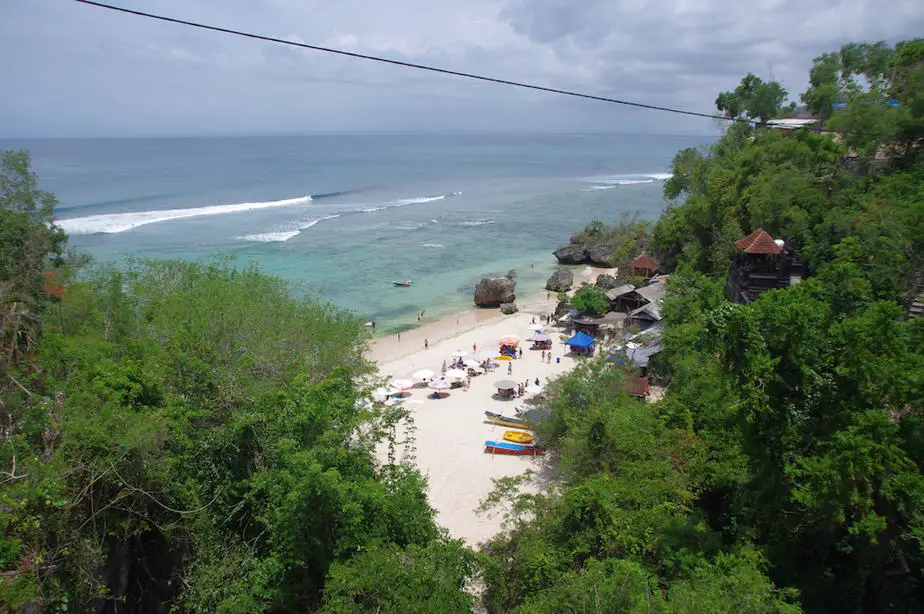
(444,71)
(362,56)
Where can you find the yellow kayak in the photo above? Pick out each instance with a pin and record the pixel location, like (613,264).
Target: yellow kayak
(518,437)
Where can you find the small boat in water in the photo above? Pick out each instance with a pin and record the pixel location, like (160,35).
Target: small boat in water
(518,437)
(403,284)
(512,449)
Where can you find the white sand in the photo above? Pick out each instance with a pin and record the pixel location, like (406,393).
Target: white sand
(451,432)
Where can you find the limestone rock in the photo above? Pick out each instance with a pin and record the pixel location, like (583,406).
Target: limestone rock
(599,255)
(562,308)
(508,308)
(560,281)
(607,282)
(492,291)
(572,253)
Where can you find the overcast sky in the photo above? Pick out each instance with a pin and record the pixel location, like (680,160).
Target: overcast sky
(73,70)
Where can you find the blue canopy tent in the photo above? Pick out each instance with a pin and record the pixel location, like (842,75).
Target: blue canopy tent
(582,343)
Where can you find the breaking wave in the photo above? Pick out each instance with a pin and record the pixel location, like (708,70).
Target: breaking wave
(477,223)
(120,222)
(436,245)
(286,233)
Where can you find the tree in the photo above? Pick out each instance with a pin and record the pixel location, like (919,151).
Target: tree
(591,299)
(30,244)
(753,98)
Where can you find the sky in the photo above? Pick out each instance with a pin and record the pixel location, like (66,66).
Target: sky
(72,70)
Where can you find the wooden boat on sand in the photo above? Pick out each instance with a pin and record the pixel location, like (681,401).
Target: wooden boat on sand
(518,437)
(511,449)
(505,420)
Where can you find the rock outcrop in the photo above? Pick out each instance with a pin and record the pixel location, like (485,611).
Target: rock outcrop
(607,282)
(560,281)
(562,308)
(493,291)
(508,308)
(572,253)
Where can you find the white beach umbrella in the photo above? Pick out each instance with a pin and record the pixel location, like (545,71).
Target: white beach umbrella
(505,384)
(402,384)
(534,389)
(471,362)
(423,374)
(382,393)
(538,337)
(440,384)
(459,354)
(535,327)
(455,375)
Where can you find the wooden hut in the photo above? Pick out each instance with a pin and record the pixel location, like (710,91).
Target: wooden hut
(643,266)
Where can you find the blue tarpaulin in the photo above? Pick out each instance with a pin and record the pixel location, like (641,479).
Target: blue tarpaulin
(580,340)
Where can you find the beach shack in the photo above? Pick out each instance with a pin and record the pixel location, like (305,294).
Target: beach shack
(643,266)
(597,326)
(582,344)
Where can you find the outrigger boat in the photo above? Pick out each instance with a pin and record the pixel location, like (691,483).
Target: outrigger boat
(403,284)
(518,437)
(512,449)
(505,421)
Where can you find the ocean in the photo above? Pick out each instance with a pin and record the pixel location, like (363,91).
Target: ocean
(342,216)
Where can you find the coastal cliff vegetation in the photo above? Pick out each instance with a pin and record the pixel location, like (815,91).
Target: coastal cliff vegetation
(192,438)
(782,470)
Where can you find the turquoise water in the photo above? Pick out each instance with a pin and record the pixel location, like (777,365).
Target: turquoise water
(344,215)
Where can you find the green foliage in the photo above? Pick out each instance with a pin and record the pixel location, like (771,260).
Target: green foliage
(754,99)
(591,299)
(191,436)
(392,580)
(30,244)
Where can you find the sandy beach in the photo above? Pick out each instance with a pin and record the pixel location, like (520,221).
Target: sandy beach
(451,432)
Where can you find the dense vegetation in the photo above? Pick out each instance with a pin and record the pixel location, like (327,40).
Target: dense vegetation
(190,437)
(783,469)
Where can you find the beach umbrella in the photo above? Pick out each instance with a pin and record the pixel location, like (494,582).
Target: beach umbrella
(505,384)
(471,362)
(535,327)
(504,358)
(509,340)
(534,389)
(402,384)
(440,384)
(455,375)
(459,354)
(424,374)
(538,337)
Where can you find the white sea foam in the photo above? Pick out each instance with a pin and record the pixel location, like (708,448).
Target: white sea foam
(433,245)
(286,233)
(660,176)
(374,209)
(595,188)
(478,222)
(418,201)
(120,222)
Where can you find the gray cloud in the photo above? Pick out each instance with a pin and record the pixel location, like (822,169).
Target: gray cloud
(75,70)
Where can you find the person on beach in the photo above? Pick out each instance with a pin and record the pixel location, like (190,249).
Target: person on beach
(509,368)
(373,323)
(521,352)
(426,344)
(474,348)
(399,337)
(543,355)
(537,381)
